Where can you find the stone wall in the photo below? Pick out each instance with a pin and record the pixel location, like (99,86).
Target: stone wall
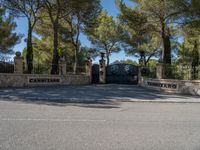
(26,80)
(189,87)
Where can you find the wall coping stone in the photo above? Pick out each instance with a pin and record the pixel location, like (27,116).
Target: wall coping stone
(170,80)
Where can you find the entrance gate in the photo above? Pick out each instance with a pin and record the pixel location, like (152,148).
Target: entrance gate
(95,73)
(117,74)
(122,74)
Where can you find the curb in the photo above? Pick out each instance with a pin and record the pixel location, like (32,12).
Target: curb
(71,100)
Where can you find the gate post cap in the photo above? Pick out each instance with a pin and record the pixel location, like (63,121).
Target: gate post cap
(102,55)
(18,54)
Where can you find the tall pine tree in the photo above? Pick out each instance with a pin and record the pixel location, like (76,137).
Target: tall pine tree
(7,36)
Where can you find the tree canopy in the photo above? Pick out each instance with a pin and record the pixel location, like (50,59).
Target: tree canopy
(139,36)
(28,9)
(105,36)
(165,30)
(7,36)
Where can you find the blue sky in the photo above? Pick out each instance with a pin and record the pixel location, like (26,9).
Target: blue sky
(108,5)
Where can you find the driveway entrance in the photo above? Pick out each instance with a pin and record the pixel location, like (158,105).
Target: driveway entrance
(122,74)
(117,74)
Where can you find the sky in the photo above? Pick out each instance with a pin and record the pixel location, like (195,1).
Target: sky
(108,5)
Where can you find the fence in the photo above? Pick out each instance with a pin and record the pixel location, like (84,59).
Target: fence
(149,72)
(46,68)
(179,72)
(79,69)
(6,67)
(41,68)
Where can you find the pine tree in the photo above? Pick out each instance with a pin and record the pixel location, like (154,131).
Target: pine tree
(28,9)
(105,36)
(8,38)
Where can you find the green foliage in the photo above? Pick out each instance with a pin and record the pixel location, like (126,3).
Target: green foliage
(68,19)
(195,54)
(160,16)
(188,51)
(147,29)
(184,53)
(105,35)
(28,9)
(150,69)
(152,63)
(82,16)
(44,29)
(139,36)
(190,12)
(7,36)
(129,61)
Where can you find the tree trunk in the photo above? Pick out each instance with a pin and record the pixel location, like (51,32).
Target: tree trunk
(75,60)
(54,69)
(29,54)
(167,50)
(145,63)
(108,59)
(166,54)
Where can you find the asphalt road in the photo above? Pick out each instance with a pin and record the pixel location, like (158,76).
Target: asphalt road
(94,125)
(91,94)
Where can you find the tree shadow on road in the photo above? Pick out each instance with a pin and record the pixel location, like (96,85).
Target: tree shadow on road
(92,96)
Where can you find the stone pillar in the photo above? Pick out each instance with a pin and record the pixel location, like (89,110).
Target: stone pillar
(18,63)
(159,71)
(63,66)
(88,68)
(102,70)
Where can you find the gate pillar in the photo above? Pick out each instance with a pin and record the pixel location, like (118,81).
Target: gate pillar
(102,70)
(159,71)
(63,66)
(18,63)
(88,68)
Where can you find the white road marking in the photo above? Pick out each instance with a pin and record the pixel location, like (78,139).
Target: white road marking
(51,120)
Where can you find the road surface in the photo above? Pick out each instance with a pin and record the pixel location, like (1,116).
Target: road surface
(80,121)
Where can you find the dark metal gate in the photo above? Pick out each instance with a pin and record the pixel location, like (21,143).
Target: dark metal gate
(95,73)
(122,74)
